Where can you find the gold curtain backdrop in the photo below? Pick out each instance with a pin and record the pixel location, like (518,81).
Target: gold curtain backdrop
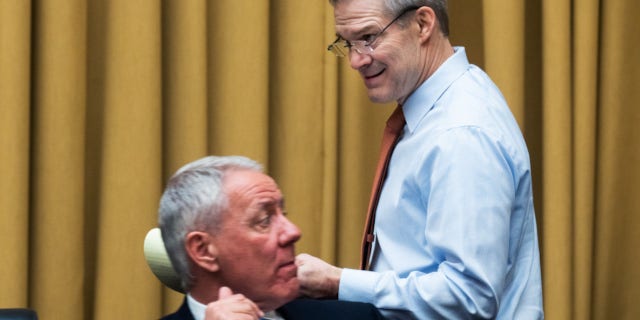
(101,101)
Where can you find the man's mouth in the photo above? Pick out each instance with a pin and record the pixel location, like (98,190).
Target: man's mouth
(374,75)
(289,268)
(371,80)
(287,264)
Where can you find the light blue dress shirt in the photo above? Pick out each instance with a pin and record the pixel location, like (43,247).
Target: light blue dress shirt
(455,230)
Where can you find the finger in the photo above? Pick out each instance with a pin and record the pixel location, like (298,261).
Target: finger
(301,259)
(228,312)
(235,307)
(224,292)
(258,311)
(253,306)
(240,301)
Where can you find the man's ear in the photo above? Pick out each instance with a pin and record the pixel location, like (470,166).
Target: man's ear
(426,22)
(202,250)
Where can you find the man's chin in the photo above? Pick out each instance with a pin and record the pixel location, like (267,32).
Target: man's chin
(377,96)
(280,295)
(278,300)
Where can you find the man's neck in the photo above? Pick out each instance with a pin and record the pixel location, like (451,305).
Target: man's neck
(437,53)
(438,50)
(205,291)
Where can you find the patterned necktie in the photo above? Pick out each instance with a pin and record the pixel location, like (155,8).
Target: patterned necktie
(390,137)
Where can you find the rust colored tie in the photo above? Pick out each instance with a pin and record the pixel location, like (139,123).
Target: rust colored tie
(389,139)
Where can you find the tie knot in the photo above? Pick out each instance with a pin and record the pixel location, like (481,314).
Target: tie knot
(396,120)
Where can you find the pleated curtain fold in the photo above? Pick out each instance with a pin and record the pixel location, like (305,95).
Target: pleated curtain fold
(101,101)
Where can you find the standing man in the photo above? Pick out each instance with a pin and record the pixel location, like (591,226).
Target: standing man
(452,231)
(225,231)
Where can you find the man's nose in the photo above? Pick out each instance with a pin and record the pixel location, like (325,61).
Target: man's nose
(358,60)
(290,233)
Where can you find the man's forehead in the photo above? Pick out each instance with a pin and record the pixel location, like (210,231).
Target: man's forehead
(249,183)
(351,18)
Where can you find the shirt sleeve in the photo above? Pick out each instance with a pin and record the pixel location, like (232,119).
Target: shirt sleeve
(467,185)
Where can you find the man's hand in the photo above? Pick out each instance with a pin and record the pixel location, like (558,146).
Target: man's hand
(318,279)
(231,306)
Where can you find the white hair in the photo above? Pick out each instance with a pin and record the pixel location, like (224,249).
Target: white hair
(193,201)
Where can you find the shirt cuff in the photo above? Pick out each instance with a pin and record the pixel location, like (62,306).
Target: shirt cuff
(357,285)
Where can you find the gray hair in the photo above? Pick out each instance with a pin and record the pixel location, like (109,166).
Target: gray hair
(194,201)
(394,7)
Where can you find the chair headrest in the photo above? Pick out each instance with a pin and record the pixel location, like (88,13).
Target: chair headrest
(158,260)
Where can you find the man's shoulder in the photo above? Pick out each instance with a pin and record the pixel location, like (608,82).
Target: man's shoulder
(311,309)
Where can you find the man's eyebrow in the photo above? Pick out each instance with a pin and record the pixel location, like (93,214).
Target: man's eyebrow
(266,203)
(370,28)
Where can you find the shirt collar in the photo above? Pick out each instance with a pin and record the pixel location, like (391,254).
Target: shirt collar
(197,309)
(424,98)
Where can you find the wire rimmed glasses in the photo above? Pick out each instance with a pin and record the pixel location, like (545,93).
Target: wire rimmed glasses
(341,47)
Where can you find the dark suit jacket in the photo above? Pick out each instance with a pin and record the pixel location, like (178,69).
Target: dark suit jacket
(308,309)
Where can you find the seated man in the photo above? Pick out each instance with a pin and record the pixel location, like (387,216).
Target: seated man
(224,227)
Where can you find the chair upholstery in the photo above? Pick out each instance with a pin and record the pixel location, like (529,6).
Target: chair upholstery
(18,314)
(158,260)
